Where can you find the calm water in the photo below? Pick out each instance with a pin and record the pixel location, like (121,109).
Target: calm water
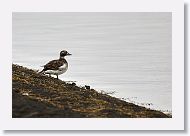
(129,53)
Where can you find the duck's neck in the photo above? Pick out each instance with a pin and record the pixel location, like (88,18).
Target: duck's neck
(62,58)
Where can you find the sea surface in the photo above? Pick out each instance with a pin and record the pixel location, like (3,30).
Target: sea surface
(129,54)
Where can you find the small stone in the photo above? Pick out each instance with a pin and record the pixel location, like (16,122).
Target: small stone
(25,94)
(23,74)
(73,84)
(87,86)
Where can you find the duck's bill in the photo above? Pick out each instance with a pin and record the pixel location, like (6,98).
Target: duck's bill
(69,54)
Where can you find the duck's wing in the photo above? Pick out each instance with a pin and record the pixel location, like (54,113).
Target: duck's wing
(53,65)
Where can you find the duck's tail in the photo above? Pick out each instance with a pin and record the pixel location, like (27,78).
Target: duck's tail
(41,71)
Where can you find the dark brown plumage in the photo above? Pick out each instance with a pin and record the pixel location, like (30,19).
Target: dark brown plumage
(54,64)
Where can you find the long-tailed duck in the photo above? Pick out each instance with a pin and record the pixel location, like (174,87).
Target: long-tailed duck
(57,67)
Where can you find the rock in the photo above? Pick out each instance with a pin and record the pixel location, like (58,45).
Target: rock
(25,94)
(73,84)
(38,96)
(87,86)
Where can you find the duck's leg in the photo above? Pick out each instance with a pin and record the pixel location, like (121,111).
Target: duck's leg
(57,77)
(49,75)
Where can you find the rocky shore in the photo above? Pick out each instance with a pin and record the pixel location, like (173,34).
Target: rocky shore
(38,96)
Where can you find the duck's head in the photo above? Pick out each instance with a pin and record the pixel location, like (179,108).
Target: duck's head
(64,53)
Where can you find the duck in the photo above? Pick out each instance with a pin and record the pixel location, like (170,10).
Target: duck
(58,66)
